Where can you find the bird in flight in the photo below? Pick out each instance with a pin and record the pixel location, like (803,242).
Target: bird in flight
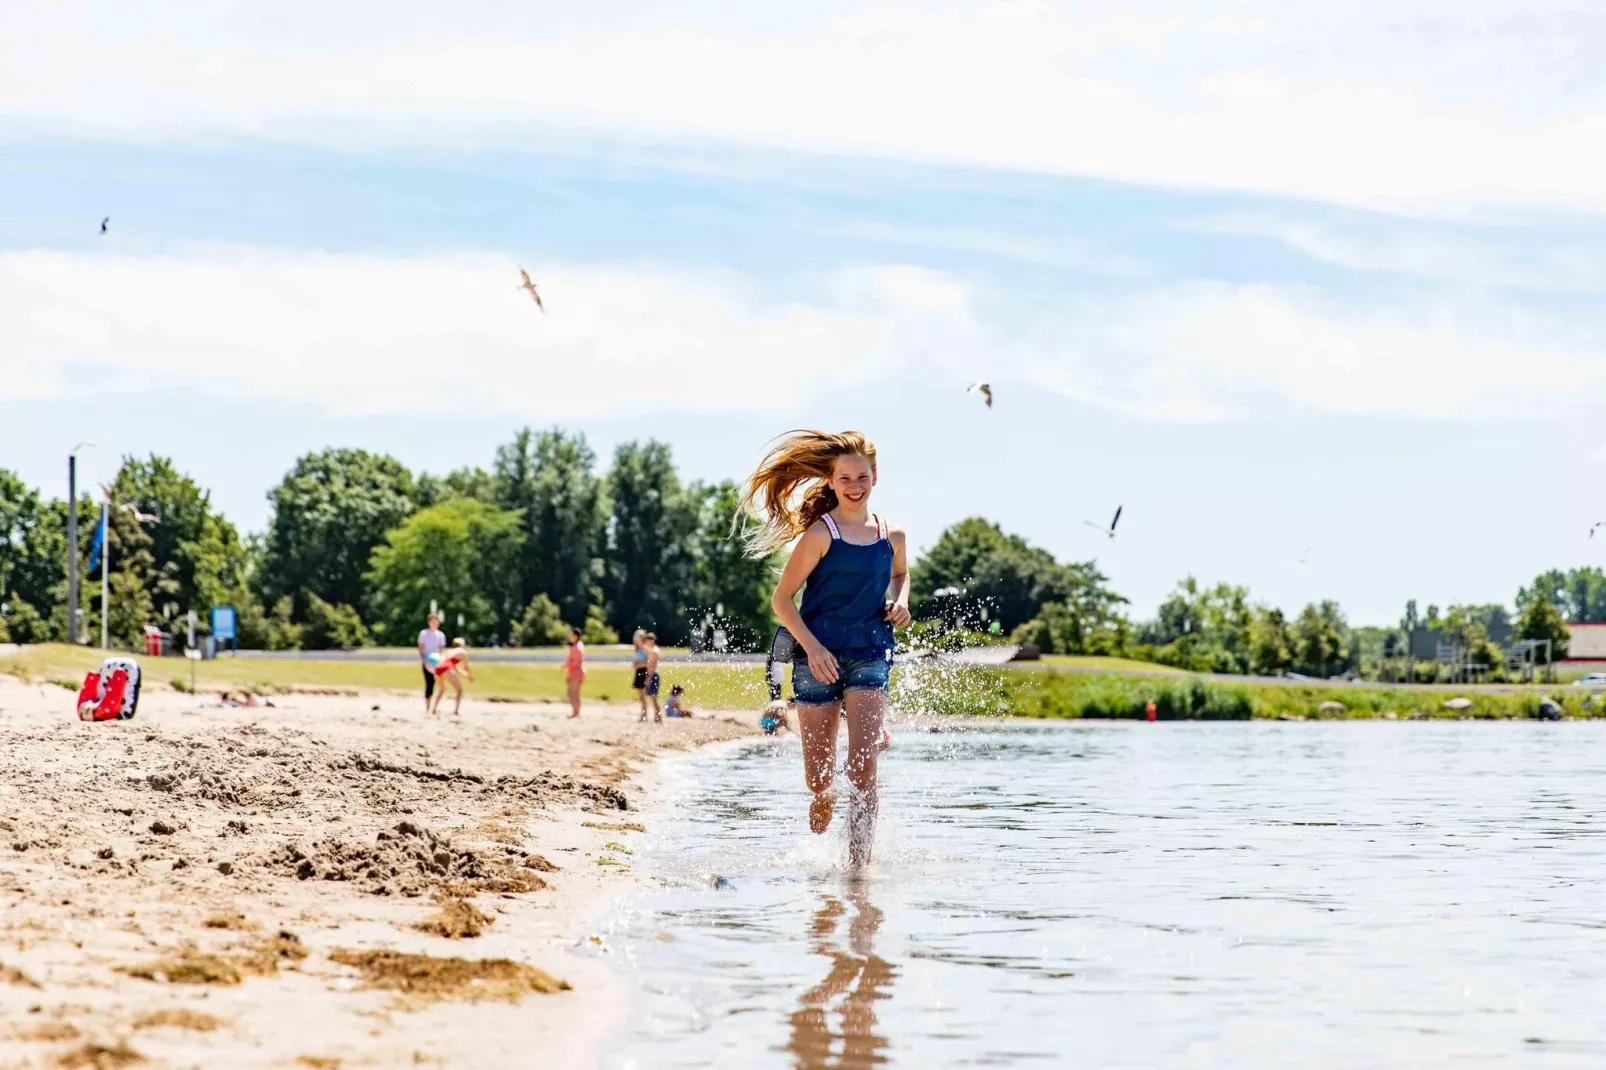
(1596,524)
(1305,556)
(1109,532)
(530,286)
(103,223)
(984,390)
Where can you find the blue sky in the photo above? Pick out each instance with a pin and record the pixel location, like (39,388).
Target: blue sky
(1271,278)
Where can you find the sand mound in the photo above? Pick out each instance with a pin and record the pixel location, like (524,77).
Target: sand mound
(410,860)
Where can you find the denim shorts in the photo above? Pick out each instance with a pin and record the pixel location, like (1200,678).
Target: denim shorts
(856,670)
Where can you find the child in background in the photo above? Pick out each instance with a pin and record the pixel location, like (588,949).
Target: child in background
(775,719)
(574,670)
(450,666)
(650,644)
(674,705)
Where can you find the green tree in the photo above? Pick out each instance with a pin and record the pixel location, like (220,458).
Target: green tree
(329,514)
(648,564)
(197,557)
(331,627)
(596,631)
(550,478)
(1320,639)
(1579,594)
(1540,619)
(725,582)
(1004,578)
(463,554)
(129,607)
(474,483)
(1271,646)
(542,624)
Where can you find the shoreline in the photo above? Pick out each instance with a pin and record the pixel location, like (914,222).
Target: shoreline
(270,843)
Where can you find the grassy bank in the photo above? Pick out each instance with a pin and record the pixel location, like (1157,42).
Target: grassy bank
(714,686)
(1073,695)
(1050,693)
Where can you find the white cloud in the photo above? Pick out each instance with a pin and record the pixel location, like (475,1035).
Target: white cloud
(1376,101)
(1210,350)
(1498,257)
(369,334)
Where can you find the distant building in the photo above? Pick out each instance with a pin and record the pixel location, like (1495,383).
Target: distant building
(1586,641)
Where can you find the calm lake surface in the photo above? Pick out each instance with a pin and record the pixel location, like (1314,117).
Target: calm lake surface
(1136,895)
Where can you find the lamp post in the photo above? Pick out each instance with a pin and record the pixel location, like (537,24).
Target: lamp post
(72,541)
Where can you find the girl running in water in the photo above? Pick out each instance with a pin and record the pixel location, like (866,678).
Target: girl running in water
(852,567)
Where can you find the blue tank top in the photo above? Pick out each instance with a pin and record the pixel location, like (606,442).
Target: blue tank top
(845,597)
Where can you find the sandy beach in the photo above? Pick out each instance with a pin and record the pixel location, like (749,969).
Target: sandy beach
(206,886)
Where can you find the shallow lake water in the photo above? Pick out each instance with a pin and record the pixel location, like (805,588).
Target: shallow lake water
(1135,895)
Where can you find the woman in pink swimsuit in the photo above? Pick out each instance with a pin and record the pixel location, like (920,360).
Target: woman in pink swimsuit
(574,670)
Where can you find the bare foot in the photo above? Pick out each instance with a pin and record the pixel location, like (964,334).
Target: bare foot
(820,811)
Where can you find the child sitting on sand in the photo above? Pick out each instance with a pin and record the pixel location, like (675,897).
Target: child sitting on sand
(674,705)
(775,719)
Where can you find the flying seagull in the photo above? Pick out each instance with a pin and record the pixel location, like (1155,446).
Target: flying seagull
(103,223)
(530,286)
(1109,532)
(1596,524)
(984,390)
(143,518)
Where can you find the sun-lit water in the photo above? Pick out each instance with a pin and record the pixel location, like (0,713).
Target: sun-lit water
(1135,895)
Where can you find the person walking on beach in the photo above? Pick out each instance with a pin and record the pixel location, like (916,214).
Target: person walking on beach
(852,568)
(638,662)
(654,683)
(574,670)
(450,666)
(430,641)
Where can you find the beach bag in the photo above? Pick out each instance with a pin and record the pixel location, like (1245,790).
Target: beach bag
(112,693)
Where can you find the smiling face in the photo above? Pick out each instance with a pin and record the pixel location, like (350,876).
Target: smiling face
(852,477)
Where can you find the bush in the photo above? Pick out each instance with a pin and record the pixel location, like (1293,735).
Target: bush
(333,627)
(542,624)
(23,624)
(596,632)
(1052,694)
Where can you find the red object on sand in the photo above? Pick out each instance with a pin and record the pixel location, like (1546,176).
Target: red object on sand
(108,706)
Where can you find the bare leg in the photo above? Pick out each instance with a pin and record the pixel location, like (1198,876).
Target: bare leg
(574,698)
(641,693)
(457,686)
(817,725)
(866,711)
(440,693)
(657,711)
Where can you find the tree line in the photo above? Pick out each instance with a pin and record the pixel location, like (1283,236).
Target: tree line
(357,549)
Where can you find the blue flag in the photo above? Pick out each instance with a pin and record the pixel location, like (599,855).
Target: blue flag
(100,539)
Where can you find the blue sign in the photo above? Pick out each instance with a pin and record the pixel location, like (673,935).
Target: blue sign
(222,622)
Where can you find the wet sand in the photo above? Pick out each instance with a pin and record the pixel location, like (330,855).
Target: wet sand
(203,887)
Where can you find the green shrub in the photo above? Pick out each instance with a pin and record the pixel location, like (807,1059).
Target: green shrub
(596,632)
(333,627)
(542,624)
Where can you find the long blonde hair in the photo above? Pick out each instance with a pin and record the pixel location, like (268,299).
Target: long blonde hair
(792,487)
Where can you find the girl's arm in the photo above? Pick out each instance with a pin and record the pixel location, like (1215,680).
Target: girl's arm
(810,548)
(898,589)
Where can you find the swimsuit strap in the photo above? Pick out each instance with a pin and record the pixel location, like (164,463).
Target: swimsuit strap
(835,534)
(880,527)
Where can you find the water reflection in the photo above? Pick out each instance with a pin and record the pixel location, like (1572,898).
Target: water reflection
(835,1022)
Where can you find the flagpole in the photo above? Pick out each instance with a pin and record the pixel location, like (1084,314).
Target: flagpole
(105,567)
